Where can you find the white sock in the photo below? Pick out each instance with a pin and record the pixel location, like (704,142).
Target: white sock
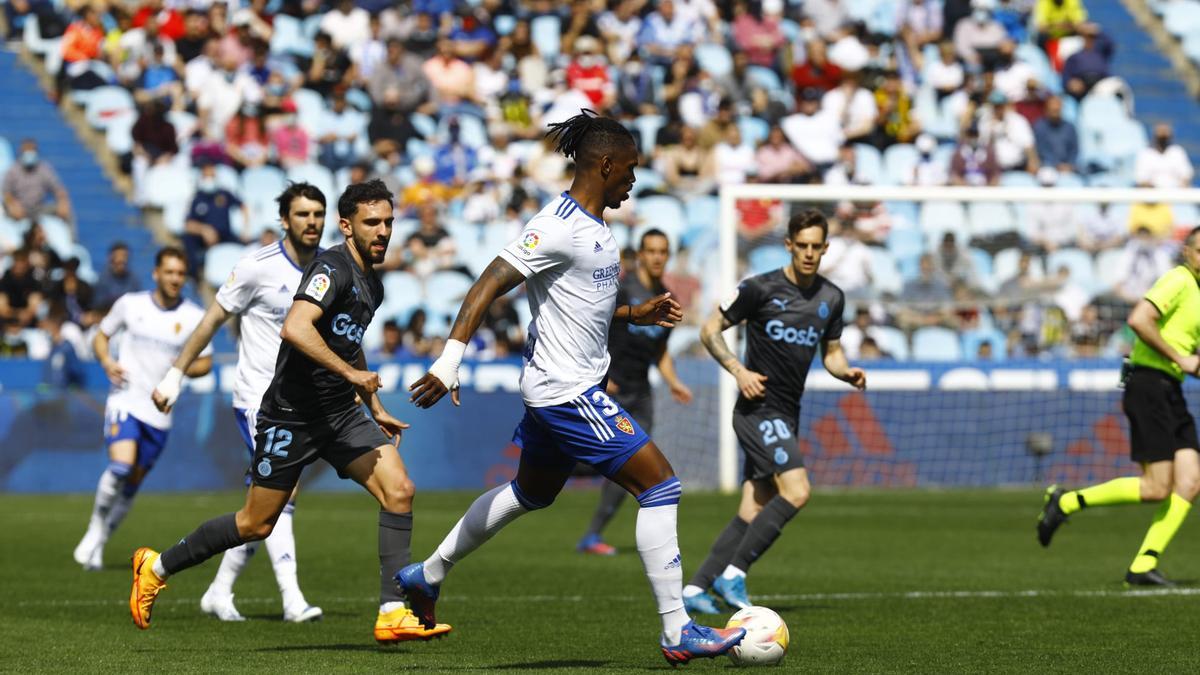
(116,514)
(159,570)
(386,607)
(488,515)
(692,589)
(108,489)
(658,545)
(732,572)
(232,564)
(281,546)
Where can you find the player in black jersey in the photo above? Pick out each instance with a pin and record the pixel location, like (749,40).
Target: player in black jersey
(634,349)
(789,314)
(310,411)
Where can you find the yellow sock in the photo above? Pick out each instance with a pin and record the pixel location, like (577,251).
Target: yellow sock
(1166,523)
(1126,490)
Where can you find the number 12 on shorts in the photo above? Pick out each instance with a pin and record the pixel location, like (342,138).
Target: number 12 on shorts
(277,440)
(774,430)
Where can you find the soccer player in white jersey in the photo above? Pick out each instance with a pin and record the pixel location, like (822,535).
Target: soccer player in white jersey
(570,264)
(149,327)
(259,292)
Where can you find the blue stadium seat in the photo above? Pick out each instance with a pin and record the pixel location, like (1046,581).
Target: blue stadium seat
(767,258)
(647,180)
(971,340)
(754,130)
(703,213)
(891,341)
(87,271)
(664,213)
(906,243)
(357,98)
(444,291)
(648,126)
(1080,265)
(939,217)
(424,124)
(868,163)
(58,234)
(933,343)
(885,274)
(288,37)
(1108,269)
(546,33)
(988,218)
(504,24)
(219,261)
(714,59)
(401,293)
(1181,18)
(765,78)
(898,162)
(6,154)
(10,236)
(1005,263)
(471,131)
(310,107)
(1017,179)
(108,104)
(263,184)
(983,267)
(1069,180)
(168,183)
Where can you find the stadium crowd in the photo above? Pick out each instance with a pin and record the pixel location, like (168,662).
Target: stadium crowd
(447,100)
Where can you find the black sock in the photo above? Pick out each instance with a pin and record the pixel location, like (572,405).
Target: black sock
(611,496)
(395,541)
(763,532)
(722,551)
(212,537)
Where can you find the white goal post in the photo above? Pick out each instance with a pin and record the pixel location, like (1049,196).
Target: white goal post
(728,248)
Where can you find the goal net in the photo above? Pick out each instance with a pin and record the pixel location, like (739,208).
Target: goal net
(990,322)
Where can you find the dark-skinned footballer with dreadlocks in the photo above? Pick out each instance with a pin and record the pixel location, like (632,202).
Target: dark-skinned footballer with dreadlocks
(571,266)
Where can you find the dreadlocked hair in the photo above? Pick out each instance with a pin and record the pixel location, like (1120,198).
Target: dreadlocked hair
(602,135)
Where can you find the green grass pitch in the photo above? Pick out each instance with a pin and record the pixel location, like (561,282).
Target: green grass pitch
(869,582)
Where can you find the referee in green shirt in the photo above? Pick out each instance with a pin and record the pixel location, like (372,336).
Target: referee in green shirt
(1162,431)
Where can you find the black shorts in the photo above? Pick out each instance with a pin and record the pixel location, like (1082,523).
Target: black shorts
(285,444)
(1159,421)
(768,440)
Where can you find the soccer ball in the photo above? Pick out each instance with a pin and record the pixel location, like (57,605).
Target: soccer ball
(766,639)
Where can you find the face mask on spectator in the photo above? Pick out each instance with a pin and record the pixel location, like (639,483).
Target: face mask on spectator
(289,120)
(207,185)
(587,60)
(29,158)
(1163,142)
(981,15)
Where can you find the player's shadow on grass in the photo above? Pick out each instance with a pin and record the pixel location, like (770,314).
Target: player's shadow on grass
(357,647)
(555,663)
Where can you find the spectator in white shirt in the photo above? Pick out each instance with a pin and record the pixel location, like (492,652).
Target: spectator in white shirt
(847,261)
(1010,134)
(853,106)
(347,25)
(813,131)
(620,28)
(734,159)
(929,170)
(1012,75)
(945,75)
(1143,261)
(665,30)
(1163,163)
(978,33)
(1051,225)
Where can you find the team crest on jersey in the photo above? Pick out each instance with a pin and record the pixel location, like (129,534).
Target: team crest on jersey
(823,310)
(624,424)
(178,327)
(530,242)
(232,276)
(317,287)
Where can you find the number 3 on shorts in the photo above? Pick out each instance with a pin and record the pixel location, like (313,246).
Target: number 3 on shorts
(608,406)
(773,431)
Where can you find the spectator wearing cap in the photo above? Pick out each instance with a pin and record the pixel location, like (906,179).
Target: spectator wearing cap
(210,219)
(391,125)
(854,107)
(778,161)
(1083,69)
(1163,163)
(816,71)
(588,73)
(1056,139)
(1010,134)
(756,34)
(974,161)
(665,30)
(30,183)
(814,131)
(978,35)
(116,279)
(337,134)
(346,24)
(290,144)
(402,72)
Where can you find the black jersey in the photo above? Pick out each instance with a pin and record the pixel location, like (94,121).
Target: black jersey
(634,348)
(785,326)
(349,297)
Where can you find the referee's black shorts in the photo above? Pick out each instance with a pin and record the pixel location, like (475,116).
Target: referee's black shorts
(1159,421)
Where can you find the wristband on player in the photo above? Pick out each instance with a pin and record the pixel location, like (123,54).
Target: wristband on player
(445,368)
(170,385)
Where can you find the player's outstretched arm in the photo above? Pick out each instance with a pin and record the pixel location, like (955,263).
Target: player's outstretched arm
(666,367)
(837,365)
(749,382)
(187,363)
(661,310)
(388,424)
(499,278)
(100,347)
(300,331)
(1144,322)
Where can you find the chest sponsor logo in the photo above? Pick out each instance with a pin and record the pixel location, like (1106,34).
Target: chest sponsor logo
(624,424)
(805,337)
(343,324)
(606,277)
(317,287)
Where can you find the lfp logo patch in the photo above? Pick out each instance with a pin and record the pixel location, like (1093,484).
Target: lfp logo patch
(530,242)
(317,287)
(624,424)
(823,310)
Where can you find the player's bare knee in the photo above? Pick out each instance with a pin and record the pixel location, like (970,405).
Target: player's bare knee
(397,497)
(252,529)
(1187,486)
(797,496)
(1153,490)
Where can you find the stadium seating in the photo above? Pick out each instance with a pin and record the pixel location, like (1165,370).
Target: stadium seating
(219,262)
(934,343)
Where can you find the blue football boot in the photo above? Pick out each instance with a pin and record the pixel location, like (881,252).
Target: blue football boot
(422,595)
(701,603)
(702,642)
(732,591)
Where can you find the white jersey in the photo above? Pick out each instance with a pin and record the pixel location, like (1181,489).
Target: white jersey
(572,267)
(150,339)
(260,290)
